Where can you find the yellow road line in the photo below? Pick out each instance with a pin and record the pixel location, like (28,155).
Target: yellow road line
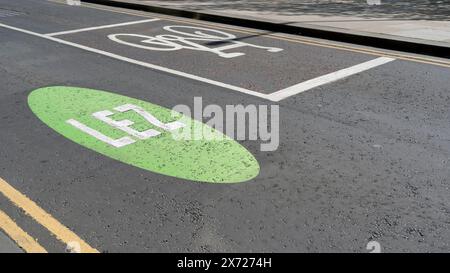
(25,241)
(39,215)
(303,40)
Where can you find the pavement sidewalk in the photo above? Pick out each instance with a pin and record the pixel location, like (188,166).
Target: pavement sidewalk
(415,23)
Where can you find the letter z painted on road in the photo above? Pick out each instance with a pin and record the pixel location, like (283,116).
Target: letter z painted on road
(139,133)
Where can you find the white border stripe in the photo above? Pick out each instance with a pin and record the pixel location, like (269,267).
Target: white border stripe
(144,64)
(102,27)
(325,79)
(276,96)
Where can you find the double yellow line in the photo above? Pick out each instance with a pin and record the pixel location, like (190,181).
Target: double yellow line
(25,241)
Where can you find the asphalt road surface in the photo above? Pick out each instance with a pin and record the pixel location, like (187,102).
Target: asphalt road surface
(364,138)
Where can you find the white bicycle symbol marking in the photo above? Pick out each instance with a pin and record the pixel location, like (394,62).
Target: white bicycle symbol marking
(171,42)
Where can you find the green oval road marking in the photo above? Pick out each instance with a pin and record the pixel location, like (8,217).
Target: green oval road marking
(139,133)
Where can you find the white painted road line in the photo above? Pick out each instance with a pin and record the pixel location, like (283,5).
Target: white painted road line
(276,96)
(102,27)
(140,63)
(332,77)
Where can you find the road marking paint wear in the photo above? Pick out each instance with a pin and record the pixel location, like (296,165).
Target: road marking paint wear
(20,237)
(61,232)
(303,40)
(101,27)
(128,135)
(140,63)
(329,78)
